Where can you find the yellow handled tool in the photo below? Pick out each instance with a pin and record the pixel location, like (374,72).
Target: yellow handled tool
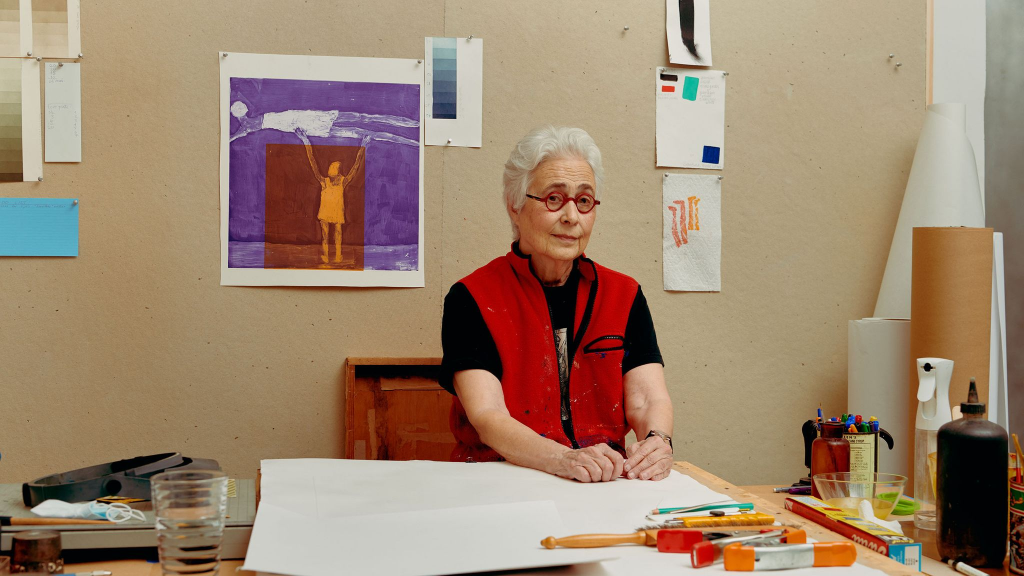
(754,519)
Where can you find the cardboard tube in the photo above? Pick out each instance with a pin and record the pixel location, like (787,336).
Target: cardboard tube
(951,310)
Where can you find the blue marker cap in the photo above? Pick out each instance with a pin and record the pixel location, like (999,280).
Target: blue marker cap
(874,425)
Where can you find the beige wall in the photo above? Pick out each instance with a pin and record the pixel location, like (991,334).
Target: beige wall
(133,347)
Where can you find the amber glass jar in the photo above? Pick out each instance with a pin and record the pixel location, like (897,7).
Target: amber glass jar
(830,452)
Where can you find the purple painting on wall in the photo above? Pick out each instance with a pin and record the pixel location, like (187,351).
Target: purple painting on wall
(323,175)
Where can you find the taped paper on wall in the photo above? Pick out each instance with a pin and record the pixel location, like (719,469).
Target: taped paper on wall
(692,230)
(21,148)
(38,227)
(321,171)
(63,119)
(453,91)
(690,118)
(688,26)
(56,28)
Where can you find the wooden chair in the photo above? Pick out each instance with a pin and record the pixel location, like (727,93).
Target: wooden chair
(396,410)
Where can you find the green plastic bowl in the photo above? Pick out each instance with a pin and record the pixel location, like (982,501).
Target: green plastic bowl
(905,507)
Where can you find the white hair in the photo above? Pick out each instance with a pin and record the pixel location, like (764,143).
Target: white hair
(546,143)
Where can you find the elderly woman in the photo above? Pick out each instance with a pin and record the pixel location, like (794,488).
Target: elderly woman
(552,357)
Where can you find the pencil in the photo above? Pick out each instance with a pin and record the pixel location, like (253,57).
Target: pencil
(1016,444)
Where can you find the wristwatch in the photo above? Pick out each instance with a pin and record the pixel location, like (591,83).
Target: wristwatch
(663,436)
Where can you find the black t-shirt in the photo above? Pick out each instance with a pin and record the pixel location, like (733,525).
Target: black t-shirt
(468,344)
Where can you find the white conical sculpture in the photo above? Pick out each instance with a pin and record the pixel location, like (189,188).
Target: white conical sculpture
(942,190)
(933,376)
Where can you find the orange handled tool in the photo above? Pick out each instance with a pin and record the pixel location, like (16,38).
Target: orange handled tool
(704,554)
(746,558)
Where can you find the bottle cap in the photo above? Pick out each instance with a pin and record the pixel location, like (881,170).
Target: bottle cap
(972,406)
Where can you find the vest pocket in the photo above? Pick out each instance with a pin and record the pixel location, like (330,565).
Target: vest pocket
(607,343)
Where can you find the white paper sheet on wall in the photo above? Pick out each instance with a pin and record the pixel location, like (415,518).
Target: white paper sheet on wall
(690,118)
(63,119)
(688,26)
(453,91)
(692,215)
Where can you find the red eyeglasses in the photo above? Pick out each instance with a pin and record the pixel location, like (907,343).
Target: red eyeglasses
(554,201)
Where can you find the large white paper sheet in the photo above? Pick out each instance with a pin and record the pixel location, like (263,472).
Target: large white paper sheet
(335,488)
(688,25)
(453,91)
(942,190)
(324,516)
(63,120)
(314,148)
(690,118)
(692,230)
(447,541)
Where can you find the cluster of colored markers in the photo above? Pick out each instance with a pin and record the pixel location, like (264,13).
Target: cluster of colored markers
(853,423)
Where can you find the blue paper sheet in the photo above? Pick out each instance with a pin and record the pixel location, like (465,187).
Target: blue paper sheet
(38,227)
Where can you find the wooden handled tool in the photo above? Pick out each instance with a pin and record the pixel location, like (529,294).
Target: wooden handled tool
(642,537)
(16,521)
(666,539)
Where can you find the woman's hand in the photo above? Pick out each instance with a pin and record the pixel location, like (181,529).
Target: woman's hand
(598,463)
(649,459)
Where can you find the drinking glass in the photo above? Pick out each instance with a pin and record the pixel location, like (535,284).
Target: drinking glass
(190,506)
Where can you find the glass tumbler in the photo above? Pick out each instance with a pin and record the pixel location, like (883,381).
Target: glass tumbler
(190,507)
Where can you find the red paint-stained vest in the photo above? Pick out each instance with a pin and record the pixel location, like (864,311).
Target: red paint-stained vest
(511,300)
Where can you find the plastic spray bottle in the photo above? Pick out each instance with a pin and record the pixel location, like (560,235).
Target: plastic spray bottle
(933,375)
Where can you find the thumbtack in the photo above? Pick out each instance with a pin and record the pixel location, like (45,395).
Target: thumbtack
(80,55)
(29,53)
(74,203)
(725,73)
(666,175)
(625,27)
(419,61)
(892,55)
(720,177)
(40,178)
(39,58)
(898,64)
(224,54)
(470,37)
(60,64)
(449,140)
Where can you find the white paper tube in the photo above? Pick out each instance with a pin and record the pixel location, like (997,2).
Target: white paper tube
(942,190)
(879,352)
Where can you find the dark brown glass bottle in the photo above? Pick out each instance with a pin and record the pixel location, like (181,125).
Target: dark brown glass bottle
(971,499)
(829,453)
